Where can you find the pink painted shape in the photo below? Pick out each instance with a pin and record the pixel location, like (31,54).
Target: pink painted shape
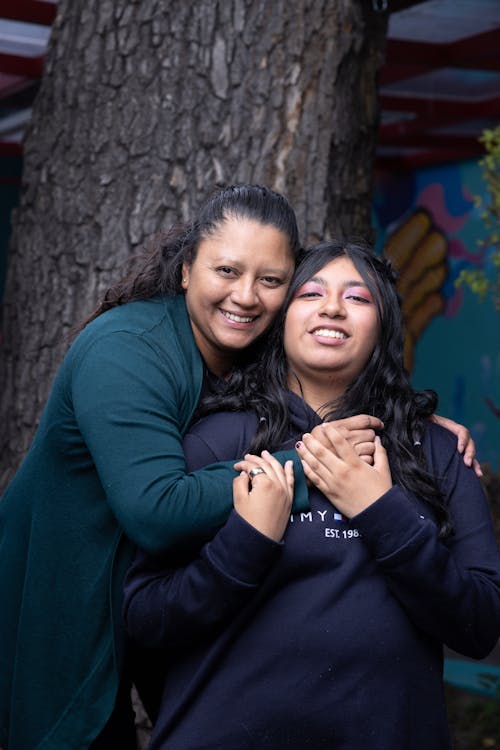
(453,304)
(457,249)
(432,198)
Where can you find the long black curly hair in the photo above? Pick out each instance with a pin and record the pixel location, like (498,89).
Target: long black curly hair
(382,389)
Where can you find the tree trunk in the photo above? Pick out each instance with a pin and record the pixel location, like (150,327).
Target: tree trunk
(144,106)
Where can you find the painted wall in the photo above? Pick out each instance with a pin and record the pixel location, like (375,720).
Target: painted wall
(427,222)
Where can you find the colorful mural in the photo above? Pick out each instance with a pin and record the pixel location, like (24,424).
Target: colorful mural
(427,223)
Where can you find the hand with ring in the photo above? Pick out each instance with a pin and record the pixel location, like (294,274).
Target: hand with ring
(263,493)
(253,472)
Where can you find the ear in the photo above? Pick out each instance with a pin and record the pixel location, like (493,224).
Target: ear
(185,275)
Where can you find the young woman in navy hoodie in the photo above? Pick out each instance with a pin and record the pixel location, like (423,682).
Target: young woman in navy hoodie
(323,628)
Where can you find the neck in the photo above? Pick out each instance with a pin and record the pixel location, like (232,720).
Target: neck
(316,394)
(219,363)
(221,370)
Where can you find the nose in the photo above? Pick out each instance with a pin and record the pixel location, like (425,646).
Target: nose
(244,292)
(333,306)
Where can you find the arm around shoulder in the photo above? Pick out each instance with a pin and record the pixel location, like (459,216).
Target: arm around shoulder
(132,409)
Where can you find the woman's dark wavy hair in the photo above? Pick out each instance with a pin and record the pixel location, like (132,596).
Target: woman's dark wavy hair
(382,388)
(159,271)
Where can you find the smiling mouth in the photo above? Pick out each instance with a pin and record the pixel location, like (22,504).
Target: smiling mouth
(238,318)
(329,333)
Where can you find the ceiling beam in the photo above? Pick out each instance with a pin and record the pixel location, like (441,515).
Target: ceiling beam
(390,132)
(406,58)
(13,87)
(30,11)
(9,148)
(405,161)
(434,141)
(444,108)
(20,65)
(18,95)
(478,49)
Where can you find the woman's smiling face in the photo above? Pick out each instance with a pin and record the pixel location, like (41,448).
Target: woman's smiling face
(234,288)
(331,329)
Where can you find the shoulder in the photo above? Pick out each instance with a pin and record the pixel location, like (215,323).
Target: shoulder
(438,442)
(140,317)
(439,437)
(160,323)
(144,347)
(440,447)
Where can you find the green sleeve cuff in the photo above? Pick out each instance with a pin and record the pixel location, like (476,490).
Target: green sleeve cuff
(301,493)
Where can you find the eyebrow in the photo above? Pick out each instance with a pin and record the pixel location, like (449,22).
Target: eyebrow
(227,260)
(320,280)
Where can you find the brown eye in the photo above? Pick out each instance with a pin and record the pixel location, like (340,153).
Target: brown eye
(358,295)
(225,270)
(272,280)
(356,298)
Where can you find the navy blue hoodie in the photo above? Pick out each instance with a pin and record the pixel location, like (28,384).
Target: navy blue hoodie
(332,638)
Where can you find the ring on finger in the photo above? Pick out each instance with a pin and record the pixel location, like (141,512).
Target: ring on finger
(253,472)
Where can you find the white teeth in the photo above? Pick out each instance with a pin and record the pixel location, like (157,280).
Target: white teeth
(329,333)
(237,318)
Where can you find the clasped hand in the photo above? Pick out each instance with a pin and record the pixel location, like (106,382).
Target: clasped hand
(346,461)
(265,500)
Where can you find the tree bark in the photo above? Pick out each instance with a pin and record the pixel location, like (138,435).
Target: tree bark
(144,107)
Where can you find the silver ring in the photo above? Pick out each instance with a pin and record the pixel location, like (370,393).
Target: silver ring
(253,472)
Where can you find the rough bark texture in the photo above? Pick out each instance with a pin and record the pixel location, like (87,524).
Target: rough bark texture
(145,105)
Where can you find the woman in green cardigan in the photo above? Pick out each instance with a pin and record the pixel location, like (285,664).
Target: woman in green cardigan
(106,470)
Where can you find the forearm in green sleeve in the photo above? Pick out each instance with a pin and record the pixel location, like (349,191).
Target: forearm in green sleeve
(301,494)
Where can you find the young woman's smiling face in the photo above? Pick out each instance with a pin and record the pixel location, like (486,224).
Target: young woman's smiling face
(331,330)
(234,288)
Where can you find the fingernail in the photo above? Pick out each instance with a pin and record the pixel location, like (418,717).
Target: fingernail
(299,444)
(265,453)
